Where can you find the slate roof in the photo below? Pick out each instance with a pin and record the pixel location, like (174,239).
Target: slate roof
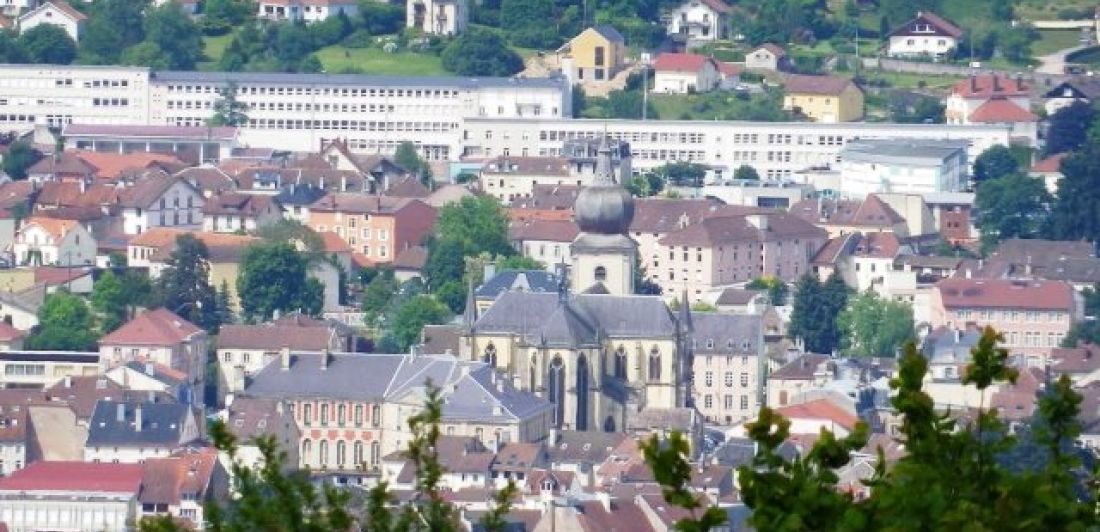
(444,339)
(526,166)
(249,417)
(1086,87)
(351,376)
(280,78)
(301,195)
(539,317)
(583,446)
(551,197)
(945,346)
(208,178)
(161,424)
(722,334)
(518,280)
(238,204)
(483,394)
(737,296)
(413,258)
(409,187)
(801,368)
(360,204)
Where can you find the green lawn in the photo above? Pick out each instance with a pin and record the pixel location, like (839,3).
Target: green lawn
(719,105)
(1051,41)
(213,48)
(904,80)
(338,59)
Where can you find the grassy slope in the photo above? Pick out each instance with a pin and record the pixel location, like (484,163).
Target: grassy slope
(213,48)
(374,61)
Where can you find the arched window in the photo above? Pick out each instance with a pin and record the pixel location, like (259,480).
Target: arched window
(375,453)
(358,415)
(555,385)
(490,355)
(324,414)
(654,364)
(307,452)
(582,393)
(357,453)
(341,454)
(620,363)
(601,273)
(341,415)
(375,415)
(322,454)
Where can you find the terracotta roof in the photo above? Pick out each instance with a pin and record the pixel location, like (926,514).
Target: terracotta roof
(58,275)
(681,62)
(729,69)
(737,296)
(660,215)
(549,230)
(208,178)
(56,228)
(9,333)
(999,109)
(878,245)
(238,204)
(526,166)
(360,204)
(165,238)
(932,19)
(820,409)
(112,165)
(1050,165)
(65,163)
(412,258)
(775,49)
(821,85)
(273,337)
(333,243)
(1005,293)
(1075,360)
(153,327)
(872,212)
(409,187)
(990,85)
(75,476)
(15,192)
(718,5)
(169,480)
(65,8)
(69,194)
(147,191)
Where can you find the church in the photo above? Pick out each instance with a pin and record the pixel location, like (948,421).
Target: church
(600,354)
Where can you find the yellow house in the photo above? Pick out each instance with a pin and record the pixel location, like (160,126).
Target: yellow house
(595,55)
(823,98)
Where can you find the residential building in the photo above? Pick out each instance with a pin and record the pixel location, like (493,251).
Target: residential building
(131,433)
(437,17)
(842,217)
(727,366)
(1049,169)
(15,7)
(243,350)
(811,417)
(162,337)
(994,99)
(788,384)
(827,99)
(161,202)
(42,369)
(379,227)
(14,431)
(595,55)
(11,339)
(153,248)
(199,144)
(1069,91)
(1034,316)
(71,496)
(233,212)
(926,35)
(56,12)
(179,485)
(508,178)
(152,377)
(1071,261)
(952,214)
(306,10)
(903,166)
(48,241)
(699,21)
(684,73)
(767,56)
(249,417)
(547,241)
(723,250)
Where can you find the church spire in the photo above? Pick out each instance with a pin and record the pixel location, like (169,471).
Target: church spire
(685,314)
(604,177)
(469,315)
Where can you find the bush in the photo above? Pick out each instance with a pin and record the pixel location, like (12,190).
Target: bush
(358,39)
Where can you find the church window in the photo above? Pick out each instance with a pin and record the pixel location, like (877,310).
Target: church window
(620,363)
(654,365)
(601,273)
(490,356)
(556,389)
(582,393)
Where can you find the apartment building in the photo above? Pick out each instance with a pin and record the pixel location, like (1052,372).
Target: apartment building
(57,95)
(727,365)
(379,227)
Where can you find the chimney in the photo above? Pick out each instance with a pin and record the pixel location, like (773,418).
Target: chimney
(325,359)
(973,84)
(284,358)
(488,271)
(137,418)
(68,381)
(1020,82)
(996,83)
(120,412)
(150,370)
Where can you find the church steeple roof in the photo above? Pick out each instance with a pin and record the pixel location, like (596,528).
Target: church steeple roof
(469,314)
(604,207)
(685,314)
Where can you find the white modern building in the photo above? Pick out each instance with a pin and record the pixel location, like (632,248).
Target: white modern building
(437,17)
(700,20)
(71,496)
(306,10)
(911,166)
(58,13)
(57,95)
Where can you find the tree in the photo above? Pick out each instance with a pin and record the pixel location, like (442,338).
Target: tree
(184,285)
(228,110)
(871,326)
(1014,43)
(1013,206)
(530,23)
(478,223)
(48,44)
(1087,331)
(627,104)
(274,277)
(446,262)
(112,26)
(646,185)
(109,300)
(20,156)
(378,293)
(1069,128)
(177,37)
(776,288)
(408,158)
(480,53)
(293,42)
(995,162)
(518,262)
(683,174)
(816,307)
(411,318)
(912,108)
(1076,214)
(220,16)
(746,172)
(11,50)
(379,18)
(64,324)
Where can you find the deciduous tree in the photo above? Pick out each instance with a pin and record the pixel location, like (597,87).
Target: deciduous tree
(184,285)
(1076,214)
(481,53)
(48,44)
(64,324)
(995,162)
(274,277)
(1012,206)
(871,326)
(20,156)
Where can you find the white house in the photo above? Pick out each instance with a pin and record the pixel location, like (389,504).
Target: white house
(679,73)
(926,35)
(995,100)
(306,10)
(162,337)
(161,202)
(231,212)
(56,12)
(12,8)
(700,20)
(870,166)
(71,496)
(49,241)
(437,17)
(767,56)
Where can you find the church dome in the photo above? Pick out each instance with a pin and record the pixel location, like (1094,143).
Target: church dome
(604,207)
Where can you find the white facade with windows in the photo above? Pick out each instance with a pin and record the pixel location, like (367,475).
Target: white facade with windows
(57,95)
(306,10)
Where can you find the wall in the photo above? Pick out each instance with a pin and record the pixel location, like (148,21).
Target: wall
(77,510)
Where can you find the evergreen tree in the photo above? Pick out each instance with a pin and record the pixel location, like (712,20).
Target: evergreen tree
(184,285)
(109,300)
(816,307)
(228,110)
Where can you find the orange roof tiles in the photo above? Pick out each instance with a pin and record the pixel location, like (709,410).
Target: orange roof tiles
(1006,293)
(820,409)
(999,109)
(152,327)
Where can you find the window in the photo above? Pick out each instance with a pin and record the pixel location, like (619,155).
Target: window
(727,402)
(601,273)
(324,414)
(744,379)
(708,401)
(375,415)
(341,453)
(744,402)
(620,363)
(654,365)
(708,378)
(357,453)
(307,413)
(307,452)
(358,415)
(729,379)
(341,415)
(322,454)
(599,59)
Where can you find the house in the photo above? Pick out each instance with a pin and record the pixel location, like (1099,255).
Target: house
(71,496)
(699,21)
(179,485)
(952,214)
(152,377)
(306,10)
(210,180)
(11,339)
(842,217)
(994,99)
(768,56)
(547,241)
(684,73)
(508,178)
(48,241)
(152,249)
(1033,315)
(409,263)
(233,212)
(131,433)
(161,337)
(61,166)
(379,227)
(56,12)
(438,17)
(1081,364)
(813,416)
(380,170)
(244,350)
(596,55)
(161,202)
(249,417)
(927,35)
(870,166)
(15,7)
(828,99)
(727,361)
(1064,94)
(1049,169)
(788,384)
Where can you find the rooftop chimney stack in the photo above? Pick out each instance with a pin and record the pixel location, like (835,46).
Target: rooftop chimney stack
(325,355)
(996,83)
(284,358)
(137,418)
(120,412)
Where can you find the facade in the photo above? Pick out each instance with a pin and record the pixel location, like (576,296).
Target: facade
(547,241)
(42,369)
(162,337)
(767,57)
(788,384)
(58,13)
(918,167)
(379,227)
(161,202)
(202,144)
(843,217)
(699,21)
(927,35)
(823,98)
(232,212)
(679,73)
(1070,91)
(508,178)
(594,56)
(49,241)
(71,496)
(131,433)
(306,10)
(243,350)
(437,17)
(994,99)
(727,366)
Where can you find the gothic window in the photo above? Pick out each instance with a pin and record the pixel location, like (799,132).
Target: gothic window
(601,273)
(582,393)
(555,384)
(654,365)
(490,355)
(620,363)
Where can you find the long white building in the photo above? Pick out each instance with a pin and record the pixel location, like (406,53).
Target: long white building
(448,118)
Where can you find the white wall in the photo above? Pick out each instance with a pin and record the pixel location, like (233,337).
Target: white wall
(933,45)
(26,512)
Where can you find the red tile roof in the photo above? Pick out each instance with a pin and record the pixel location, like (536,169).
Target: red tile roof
(9,333)
(333,243)
(729,69)
(940,24)
(1050,165)
(1006,293)
(820,409)
(990,85)
(999,109)
(718,5)
(56,228)
(680,62)
(75,476)
(152,327)
(112,165)
(413,258)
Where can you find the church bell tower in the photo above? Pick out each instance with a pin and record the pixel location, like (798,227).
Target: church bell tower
(604,257)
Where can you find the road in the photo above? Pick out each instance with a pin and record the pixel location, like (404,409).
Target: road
(1055,63)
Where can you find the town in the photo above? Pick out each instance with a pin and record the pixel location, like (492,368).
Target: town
(548,265)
